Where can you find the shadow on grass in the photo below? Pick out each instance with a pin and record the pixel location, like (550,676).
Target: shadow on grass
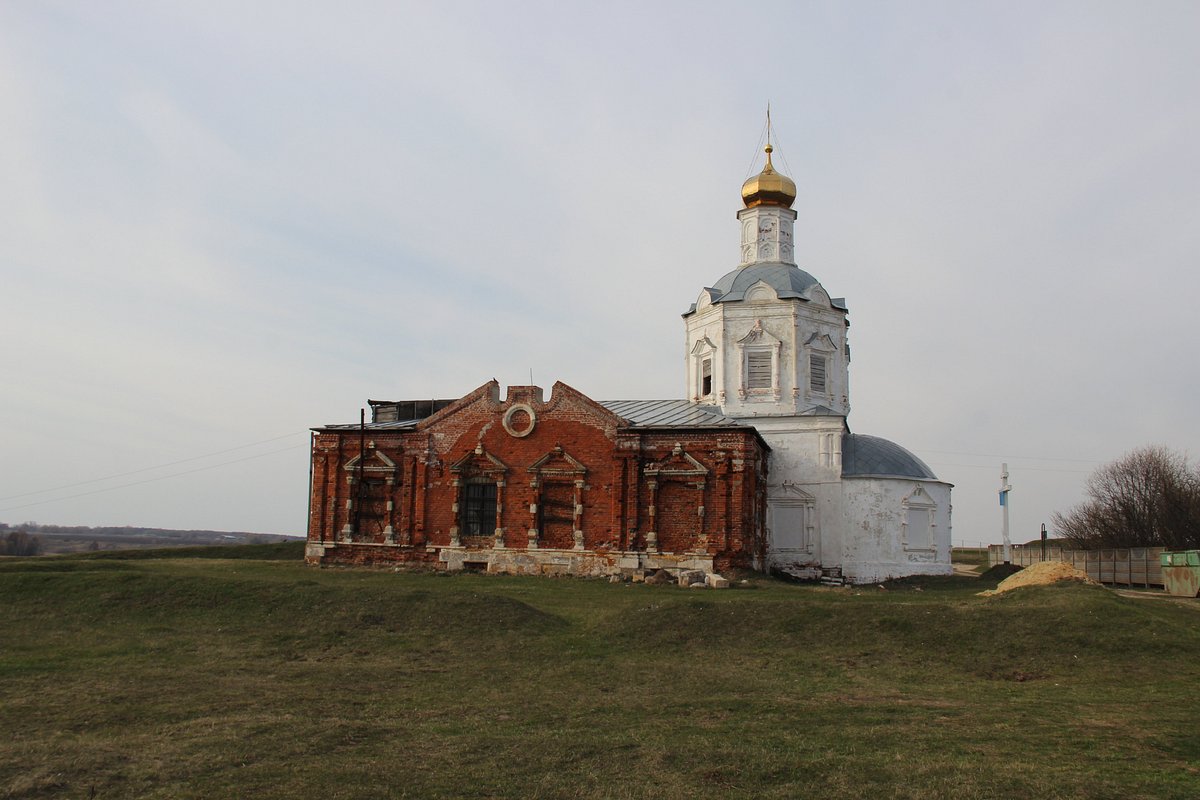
(940,583)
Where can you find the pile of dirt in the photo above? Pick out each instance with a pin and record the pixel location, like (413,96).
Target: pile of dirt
(1000,571)
(1039,575)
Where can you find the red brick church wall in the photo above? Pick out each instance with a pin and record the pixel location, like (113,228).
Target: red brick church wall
(411,475)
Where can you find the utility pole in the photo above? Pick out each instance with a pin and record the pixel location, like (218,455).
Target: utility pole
(1004,490)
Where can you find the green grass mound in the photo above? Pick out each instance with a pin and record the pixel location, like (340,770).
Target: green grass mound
(188,678)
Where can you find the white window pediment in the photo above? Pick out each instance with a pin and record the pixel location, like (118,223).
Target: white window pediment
(761,292)
(558,463)
(678,464)
(919,497)
(759,337)
(479,461)
(794,492)
(818,295)
(376,462)
(703,346)
(821,342)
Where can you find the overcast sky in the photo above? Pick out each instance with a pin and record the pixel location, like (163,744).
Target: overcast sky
(224,223)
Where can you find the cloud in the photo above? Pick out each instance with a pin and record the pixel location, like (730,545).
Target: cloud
(222,221)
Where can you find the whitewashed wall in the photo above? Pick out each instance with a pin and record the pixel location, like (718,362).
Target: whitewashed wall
(876,523)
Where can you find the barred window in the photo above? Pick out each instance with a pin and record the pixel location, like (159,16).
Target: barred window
(706,377)
(477,513)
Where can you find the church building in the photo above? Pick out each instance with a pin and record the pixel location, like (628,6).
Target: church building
(755,468)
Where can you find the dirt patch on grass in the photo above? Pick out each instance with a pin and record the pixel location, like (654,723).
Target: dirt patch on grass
(1041,574)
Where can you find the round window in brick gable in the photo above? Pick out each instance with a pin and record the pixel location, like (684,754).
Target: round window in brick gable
(519,420)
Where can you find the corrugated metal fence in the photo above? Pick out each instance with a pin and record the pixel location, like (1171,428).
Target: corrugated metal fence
(1132,566)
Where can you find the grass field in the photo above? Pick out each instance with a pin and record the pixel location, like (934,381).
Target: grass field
(178,677)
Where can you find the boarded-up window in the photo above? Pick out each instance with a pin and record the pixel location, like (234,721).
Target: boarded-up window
(816,373)
(758,370)
(919,527)
(556,511)
(706,377)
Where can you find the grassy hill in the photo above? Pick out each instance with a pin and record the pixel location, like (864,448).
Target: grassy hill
(178,677)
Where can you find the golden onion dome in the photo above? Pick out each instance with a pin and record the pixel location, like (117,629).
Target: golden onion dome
(769,188)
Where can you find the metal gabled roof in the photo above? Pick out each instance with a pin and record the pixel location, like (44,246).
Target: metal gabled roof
(639,413)
(371,426)
(670,414)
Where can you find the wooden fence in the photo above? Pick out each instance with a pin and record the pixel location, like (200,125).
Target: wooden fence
(1132,566)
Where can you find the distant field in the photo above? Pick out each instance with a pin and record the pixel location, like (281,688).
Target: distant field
(82,539)
(183,677)
(970,556)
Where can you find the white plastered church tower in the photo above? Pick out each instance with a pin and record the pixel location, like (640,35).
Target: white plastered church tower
(767,345)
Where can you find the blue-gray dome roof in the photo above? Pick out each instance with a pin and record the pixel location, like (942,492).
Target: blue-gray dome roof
(872,456)
(788,281)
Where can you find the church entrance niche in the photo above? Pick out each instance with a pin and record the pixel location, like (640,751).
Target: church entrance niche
(371,485)
(558,485)
(373,508)
(792,521)
(677,484)
(677,516)
(557,514)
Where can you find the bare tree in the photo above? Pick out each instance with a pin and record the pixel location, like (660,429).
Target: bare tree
(1149,497)
(20,543)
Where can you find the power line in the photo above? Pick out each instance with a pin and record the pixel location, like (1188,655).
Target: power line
(159,478)
(149,469)
(1027,458)
(1022,469)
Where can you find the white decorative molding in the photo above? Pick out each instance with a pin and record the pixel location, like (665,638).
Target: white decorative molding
(544,466)
(376,462)
(507,421)
(676,465)
(767,233)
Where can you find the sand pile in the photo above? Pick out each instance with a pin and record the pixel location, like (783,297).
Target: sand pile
(1039,575)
